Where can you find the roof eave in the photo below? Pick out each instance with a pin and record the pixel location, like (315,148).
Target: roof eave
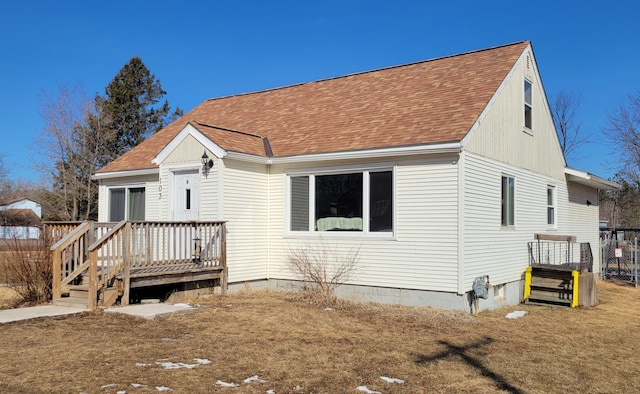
(587,179)
(449,147)
(126,173)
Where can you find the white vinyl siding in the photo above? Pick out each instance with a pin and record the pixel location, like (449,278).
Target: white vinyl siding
(498,134)
(423,254)
(246,207)
(488,249)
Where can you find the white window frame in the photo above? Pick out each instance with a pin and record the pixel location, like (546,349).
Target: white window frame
(126,198)
(528,106)
(553,206)
(312,173)
(507,202)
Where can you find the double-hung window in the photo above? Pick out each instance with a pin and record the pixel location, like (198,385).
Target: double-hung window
(508,201)
(528,106)
(352,201)
(126,203)
(551,206)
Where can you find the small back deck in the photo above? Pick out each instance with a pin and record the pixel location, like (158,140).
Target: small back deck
(560,272)
(100,263)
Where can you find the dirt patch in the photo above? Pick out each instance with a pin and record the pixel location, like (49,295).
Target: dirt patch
(288,343)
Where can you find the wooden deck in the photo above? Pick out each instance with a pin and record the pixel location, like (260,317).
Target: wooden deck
(102,262)
(560,272)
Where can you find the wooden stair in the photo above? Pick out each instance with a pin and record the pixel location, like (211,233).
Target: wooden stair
(78,297)
(551,287)
(560,285)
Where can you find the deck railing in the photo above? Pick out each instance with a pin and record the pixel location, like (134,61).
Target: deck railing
(107,250)
(561,251)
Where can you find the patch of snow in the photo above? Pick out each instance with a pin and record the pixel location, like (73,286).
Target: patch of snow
(254,378)
(142,365)
(328,309)
(202,361)
(270,392)
(106,386)
(163,388)
(171,365)
(515,314)
(225,384)
(138,385)
(392,380)
(365,389)
(121,392)
(182,305)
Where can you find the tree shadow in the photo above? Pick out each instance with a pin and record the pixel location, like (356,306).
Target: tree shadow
(461,351)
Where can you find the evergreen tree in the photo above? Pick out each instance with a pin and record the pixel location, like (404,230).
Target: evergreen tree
(81,136)
(131,108)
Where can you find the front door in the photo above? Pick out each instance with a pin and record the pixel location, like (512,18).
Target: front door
(186,199)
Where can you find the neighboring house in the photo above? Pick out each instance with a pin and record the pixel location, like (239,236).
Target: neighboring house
(438,172)
(20,219)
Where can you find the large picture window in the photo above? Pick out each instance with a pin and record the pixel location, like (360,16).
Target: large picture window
(130,200)
(358,201)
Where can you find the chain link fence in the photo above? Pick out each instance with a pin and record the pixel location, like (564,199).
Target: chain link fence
(620,259)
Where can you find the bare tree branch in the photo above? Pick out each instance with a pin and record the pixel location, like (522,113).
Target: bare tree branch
(564,111)
(623,131)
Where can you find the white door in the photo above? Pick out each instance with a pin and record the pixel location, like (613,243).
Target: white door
(186,205)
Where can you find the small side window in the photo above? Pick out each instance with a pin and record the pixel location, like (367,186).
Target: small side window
(528,106)
(508,197)
(551,206)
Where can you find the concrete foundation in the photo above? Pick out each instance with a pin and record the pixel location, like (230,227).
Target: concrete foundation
(499,295)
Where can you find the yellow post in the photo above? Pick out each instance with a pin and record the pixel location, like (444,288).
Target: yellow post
(527,283)
(574,300)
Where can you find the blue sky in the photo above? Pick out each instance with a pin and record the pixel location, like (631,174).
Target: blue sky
(204,49)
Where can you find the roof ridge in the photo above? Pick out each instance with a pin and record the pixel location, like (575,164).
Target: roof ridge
(369,71)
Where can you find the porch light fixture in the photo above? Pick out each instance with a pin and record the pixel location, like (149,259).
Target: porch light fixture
(206,162)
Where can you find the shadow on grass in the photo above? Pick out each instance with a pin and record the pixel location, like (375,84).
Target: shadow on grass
(461,351)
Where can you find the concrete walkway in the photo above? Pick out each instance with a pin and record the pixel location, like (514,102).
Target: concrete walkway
(148,311)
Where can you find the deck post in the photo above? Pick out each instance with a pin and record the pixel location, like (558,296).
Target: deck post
(57,275)
(126,261)
(576,293)
(93,280)
(223,259)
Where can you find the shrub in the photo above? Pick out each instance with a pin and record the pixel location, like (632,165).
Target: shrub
(27,268)
(322,267)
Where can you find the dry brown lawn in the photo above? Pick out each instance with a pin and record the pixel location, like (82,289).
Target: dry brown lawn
(297,346)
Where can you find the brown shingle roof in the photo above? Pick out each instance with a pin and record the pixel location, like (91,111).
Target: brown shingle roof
(429,102)
(18,217)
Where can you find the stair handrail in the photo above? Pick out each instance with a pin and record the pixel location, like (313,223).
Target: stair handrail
(93,250)
(71,236)
(59,249)
(100,242)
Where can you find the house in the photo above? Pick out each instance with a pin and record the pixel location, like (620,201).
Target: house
(437,172)
(20,218)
